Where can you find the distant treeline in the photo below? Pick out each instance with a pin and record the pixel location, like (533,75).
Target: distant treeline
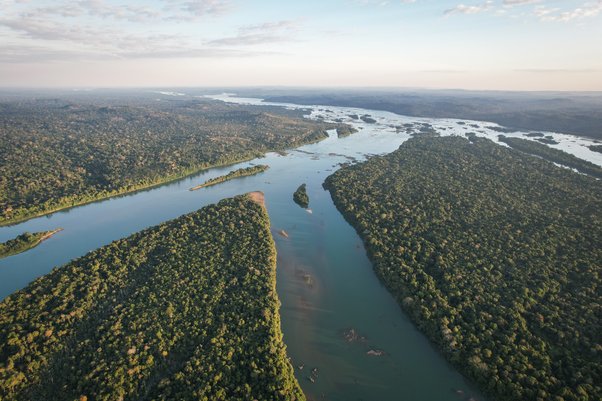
(572,113)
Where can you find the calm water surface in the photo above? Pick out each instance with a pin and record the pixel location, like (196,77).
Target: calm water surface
(325,281)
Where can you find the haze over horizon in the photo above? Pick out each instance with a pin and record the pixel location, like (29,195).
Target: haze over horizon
(464,44)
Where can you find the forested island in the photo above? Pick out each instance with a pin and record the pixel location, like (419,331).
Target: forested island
(64,151)
(238,173)
(24,242)
(595,148)
(300,196)
(344,130)
(494,254)
(553,155)
(186,310)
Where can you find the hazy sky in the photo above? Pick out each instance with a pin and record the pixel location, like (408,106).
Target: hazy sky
(473,44)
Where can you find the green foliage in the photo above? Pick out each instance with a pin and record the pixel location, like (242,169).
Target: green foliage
(494,254)
(57,153)
(300,196)
(186,310)
(23,242)
(553,155)
(241,172)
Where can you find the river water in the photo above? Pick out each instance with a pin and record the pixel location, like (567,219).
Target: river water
(334,309)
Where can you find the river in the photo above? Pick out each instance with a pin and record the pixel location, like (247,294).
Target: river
(334,310)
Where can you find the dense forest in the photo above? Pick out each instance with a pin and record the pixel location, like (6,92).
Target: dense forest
(238,173)
(24,242)
(553,155)
(494,254)
(186,310)
(300,196)
(56,153)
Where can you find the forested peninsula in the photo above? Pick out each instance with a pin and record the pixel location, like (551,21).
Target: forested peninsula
(494,254)
(60,152)
(186,310)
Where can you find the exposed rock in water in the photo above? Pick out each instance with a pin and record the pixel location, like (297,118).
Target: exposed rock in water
(353,336)
(375,352)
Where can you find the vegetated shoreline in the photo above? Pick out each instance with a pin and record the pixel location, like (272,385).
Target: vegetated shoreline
(232,175)
(264,342)
(353,221)
(126,191)
(44,235)
(132,189)
(553,155)
(349,218)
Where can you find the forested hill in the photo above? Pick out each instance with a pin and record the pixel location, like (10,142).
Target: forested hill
(56,153)
(494,254)
(186,310)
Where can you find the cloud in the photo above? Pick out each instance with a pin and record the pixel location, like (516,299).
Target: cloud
(179,10)
(37,54)
(269,32)
(473,9)
(193,9)
(558,70)
(48,40)
(587,10)
(519,2)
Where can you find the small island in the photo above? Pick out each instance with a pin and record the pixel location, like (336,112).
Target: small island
(368,119)
(595,148)
(24,242)
(300,196)
(241,172)
(344,130)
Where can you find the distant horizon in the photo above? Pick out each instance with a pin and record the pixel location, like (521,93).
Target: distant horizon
(288,87)
(516,45)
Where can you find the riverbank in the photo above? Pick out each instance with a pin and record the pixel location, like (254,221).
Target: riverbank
(68,203)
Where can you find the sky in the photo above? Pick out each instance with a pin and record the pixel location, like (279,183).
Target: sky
(454,44)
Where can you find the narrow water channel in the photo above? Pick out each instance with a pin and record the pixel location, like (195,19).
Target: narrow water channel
(337,318)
